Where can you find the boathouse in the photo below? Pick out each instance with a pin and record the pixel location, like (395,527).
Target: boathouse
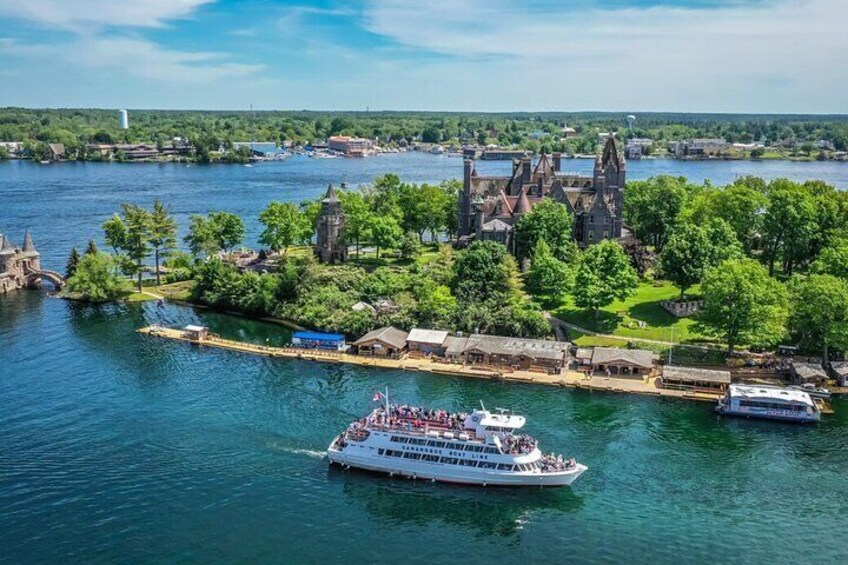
(622,362)
(196,333)
(839,371)
(508,351)
(318,340)
(803,373)
(427,341)
(690,378)
(387,341)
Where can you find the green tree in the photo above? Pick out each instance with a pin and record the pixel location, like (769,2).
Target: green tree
(219,231)
(740,205)
(548,221)
(410,246)
(832,260)
(284,226)
(95,280)
(480,273)
(200,239)
(115,232)
(228,229)
(91,248)
(357,218)
(163,233)
(73,263)
(685,256)
(548,275)
(604,275)
(137,242)
(789,224)
(385,232)
(743,304)
(652,207)
(819,313)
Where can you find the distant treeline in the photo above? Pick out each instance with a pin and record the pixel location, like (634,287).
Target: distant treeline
(534,131)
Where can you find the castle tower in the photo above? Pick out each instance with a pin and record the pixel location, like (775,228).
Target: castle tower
(465,210)
(331,247)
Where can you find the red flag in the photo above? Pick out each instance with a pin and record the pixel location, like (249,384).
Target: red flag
(377,397)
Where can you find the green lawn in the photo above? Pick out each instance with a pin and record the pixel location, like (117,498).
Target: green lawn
(138,297)
(681,354)
(621,318)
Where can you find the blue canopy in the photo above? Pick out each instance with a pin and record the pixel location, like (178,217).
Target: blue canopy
(318,336)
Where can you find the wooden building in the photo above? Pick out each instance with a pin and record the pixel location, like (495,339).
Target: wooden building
(508,351)
(690,378)
(622,362)
(382,342)
(427,341)
(803,373)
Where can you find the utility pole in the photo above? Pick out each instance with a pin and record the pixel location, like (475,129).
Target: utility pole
(671,347)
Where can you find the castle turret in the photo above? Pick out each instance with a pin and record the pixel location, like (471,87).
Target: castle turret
(331,247)
(465,211)
(29,246)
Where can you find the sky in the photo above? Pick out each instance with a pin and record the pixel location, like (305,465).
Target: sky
(758,56)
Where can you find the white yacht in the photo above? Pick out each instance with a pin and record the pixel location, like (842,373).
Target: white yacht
(772,402)
(480,448)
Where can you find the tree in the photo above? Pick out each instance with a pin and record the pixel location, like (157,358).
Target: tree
(604,275)
(115,233)
(410,246)
(832,260)
(284,226)
(227,228)
(480,273)
(789,224)
(73,263)
(200,239)
(91,248)
(819,315)
(137,242)
(652,207)
(740,205)
(548,275)
(385,232)
(357,218)
(95,279)
(163,233)
(743,304)
(548,221)
(685,256)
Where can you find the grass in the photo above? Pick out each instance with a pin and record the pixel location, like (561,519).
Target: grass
(681,354)
(138,297)
(622,317)
(175,291)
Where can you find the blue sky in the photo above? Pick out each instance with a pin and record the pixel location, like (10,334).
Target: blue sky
(470,55)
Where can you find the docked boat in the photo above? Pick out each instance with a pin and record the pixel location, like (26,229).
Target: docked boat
(770,402)
(480,448)
(811,389)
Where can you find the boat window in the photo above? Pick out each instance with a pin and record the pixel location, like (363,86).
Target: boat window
(381,451)
(475,448)
(468,462)
(491,450)
(449,460)
(411,455)
(486,465)
(433,458)
(503,467)
(436,443)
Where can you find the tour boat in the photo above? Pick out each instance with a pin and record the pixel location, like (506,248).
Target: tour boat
(480,448)
(771,402)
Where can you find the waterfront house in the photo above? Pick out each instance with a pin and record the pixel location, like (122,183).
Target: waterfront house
(55,151)
(382,342)
(196,333)
(839,371)
(622,362)
(318,340)
(803,373)
(427,341)
(690,378)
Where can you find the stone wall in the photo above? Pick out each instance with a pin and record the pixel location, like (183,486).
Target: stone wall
(682,309)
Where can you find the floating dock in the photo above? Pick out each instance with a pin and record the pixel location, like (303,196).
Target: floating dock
(565,378)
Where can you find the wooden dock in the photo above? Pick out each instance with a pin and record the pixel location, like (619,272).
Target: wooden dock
(565,378)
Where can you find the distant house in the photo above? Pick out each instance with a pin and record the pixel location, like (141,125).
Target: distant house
(839,371)
(55,151)
(318,340)
(698,148)
(622,362)
(635,147)
(383,342)
(349,146)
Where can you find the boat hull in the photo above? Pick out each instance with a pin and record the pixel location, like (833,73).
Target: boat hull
(768,416)
(423,470)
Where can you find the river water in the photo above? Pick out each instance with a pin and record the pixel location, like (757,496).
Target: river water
(116,446)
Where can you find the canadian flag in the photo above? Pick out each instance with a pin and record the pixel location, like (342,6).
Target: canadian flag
(377,397)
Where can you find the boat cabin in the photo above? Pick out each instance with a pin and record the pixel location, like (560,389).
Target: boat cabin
(196,333)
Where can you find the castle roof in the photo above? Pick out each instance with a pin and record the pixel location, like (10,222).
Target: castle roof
(544,167)
(523,204)
(29,246)
(6,246)
(496,226)
(610,154)
(331,196)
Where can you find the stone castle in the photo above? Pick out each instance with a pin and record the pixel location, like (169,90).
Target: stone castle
(20,267)
(331,246)
(490,206)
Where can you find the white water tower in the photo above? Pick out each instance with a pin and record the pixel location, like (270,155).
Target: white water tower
(630,119)
(123,119)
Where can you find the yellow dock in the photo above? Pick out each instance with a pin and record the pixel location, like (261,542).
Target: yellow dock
(564,379)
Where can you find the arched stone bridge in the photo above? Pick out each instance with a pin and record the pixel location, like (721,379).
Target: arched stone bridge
(35,277)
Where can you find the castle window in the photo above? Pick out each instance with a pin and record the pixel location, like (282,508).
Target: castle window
(606,235)
(592,219)
(591,235)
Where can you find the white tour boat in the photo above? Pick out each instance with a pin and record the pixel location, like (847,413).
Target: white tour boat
(772,402)
(480,448)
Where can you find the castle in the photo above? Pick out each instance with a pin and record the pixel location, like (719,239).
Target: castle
(17,263)
(490,206)
(331,245)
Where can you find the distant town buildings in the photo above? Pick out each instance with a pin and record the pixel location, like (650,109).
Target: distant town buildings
(636,147)
(349,146)
(698,148)
(490,206)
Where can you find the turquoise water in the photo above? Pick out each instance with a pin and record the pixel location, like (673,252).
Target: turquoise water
(117,446)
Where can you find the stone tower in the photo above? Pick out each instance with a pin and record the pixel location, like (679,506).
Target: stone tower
(331,247)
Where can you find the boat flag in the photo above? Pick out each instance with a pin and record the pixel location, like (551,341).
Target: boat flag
(377,396)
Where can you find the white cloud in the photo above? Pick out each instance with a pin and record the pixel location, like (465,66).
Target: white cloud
(82,15)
